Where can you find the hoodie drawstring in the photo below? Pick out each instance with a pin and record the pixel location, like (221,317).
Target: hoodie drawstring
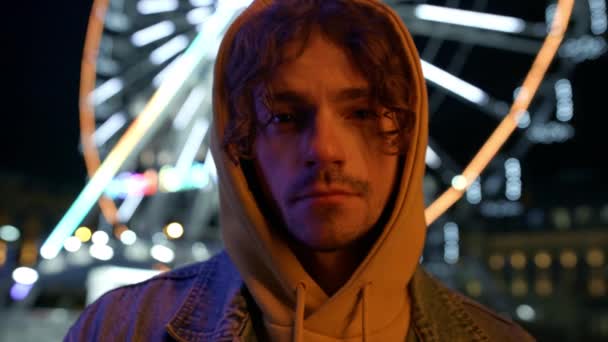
(364,309)
(298,324)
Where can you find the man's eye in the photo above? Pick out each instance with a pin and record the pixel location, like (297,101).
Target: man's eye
(363,114)
(282,118)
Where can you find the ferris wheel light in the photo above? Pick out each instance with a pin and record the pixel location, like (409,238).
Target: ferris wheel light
(191,147)
(168,180)
(432,159)
(169,49)
(198,15)
(146,7)
(153,33)
(474,194)
(224,15)
(565,106)
(109,128)
(513,179)
(599,19)
(171,68)
(459,182)
(210,168)
(454,84)
(233,5)
(106,90)
(201,3)
(182,69)
(188,110)
(470,18)
(529,87)
(524,120)
(128,207)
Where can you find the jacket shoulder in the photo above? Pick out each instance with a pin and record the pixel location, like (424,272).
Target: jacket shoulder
(141,310)
(494,324)
(445,314)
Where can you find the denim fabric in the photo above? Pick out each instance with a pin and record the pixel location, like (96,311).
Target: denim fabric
(206,302)
(200,302)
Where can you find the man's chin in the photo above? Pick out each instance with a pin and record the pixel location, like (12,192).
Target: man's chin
(326,230)
(324,247)
(317,242)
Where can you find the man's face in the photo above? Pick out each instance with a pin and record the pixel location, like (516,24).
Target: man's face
(317,152)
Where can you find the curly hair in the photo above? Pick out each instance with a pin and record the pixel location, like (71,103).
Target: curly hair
(368,39)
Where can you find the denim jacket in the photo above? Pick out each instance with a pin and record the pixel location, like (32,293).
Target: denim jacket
(208,302)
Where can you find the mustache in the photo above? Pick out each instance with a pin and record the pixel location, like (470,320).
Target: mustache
(329,176)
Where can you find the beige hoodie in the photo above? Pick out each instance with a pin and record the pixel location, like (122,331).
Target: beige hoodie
(373,305)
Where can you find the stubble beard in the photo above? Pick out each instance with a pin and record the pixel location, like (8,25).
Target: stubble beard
(325,229)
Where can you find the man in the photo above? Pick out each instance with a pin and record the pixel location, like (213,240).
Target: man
(319,136)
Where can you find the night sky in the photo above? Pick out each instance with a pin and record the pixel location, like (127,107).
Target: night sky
(40,129)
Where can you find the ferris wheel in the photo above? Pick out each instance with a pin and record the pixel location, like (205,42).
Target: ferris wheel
(145,103)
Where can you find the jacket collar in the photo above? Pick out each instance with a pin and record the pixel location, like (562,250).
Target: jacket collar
(438,313)
(216,310)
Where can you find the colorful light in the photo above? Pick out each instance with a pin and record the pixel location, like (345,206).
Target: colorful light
(174,230)
(568,258)
(83,234)
(3,252)
(20,291)
(72,244)
(100,238)
(162,253)
(101,252)
(145,124)
(128,237)
(25,275)
(470,18)
(525,312)
(9,233)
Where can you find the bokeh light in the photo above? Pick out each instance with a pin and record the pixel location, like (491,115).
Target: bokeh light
(174,230)
(9,233)
(83,233)
(25,275)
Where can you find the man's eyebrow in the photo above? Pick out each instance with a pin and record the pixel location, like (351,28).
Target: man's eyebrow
(345,94)
(353,93)
(287,96)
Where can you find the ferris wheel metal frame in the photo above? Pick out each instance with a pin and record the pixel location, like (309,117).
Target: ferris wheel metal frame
(187,73)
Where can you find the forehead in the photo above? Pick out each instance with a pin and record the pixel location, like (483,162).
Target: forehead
(319,66)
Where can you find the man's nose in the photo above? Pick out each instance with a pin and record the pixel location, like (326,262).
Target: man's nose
(324,140)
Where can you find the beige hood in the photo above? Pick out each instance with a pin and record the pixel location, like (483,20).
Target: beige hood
(374,304)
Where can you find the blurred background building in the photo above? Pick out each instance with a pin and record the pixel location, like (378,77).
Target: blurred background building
(528,239)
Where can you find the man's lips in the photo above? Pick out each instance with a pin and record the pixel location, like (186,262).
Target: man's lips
(324,195)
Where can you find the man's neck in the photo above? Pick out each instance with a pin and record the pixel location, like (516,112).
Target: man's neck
(330,269)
